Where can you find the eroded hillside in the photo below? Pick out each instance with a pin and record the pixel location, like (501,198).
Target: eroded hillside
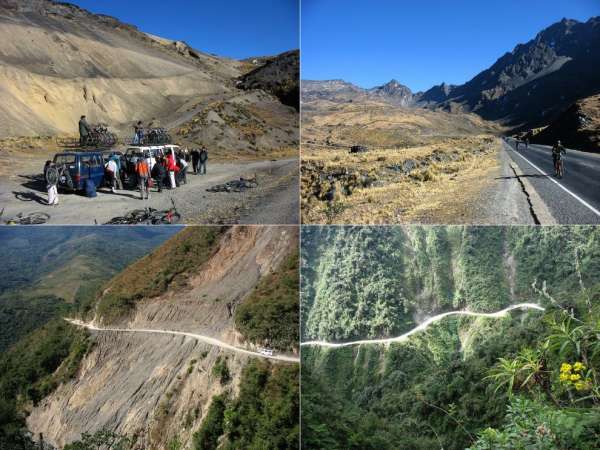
(59,61)
(158,388)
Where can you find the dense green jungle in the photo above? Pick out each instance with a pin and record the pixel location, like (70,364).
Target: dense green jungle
(529,380)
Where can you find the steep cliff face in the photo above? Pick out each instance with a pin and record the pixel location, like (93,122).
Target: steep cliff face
(434,389)
(362,282)
(157,388)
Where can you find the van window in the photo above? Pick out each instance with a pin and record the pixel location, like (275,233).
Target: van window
(86,161)
(64,159)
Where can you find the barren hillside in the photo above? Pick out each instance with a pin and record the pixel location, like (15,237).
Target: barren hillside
(59,61)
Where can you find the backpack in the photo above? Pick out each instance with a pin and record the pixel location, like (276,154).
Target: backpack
(141,168)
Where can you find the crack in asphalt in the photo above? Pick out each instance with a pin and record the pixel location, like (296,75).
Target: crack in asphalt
(527,196)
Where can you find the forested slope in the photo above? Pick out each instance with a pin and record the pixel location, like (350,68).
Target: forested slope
(527,380)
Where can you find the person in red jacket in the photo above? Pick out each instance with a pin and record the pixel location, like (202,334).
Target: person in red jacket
(171,168)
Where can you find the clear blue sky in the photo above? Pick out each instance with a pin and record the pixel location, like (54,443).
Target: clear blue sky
(421,42)
(234,28)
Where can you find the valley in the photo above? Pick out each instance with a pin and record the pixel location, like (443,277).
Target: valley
(165,347)
(438,156)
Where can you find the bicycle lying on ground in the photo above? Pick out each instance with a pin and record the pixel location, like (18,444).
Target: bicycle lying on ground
(235,185)
(148,216)
(34,218)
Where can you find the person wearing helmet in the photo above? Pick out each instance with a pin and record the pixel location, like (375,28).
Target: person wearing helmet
(557,151)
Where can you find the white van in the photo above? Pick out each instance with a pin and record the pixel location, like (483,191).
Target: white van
(266,351)
(150,152)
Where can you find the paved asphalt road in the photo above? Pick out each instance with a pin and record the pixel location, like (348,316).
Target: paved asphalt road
(574,199)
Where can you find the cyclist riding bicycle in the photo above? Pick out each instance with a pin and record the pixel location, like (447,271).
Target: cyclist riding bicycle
(557,151)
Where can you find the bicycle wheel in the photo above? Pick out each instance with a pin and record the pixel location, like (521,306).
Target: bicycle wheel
(52,175)
(34,218)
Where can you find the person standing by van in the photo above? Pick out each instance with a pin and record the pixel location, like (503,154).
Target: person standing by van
(112,172)
(143,173)
(202,159)
(138,137)
(51,176)
(171,168)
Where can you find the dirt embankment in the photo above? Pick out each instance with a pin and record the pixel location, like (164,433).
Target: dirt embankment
(158,387)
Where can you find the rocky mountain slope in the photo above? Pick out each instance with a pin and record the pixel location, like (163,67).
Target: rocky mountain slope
(340,91)
(537,80)
(59,61)
(577,127)
(525,88)
(279,75)
(156,388)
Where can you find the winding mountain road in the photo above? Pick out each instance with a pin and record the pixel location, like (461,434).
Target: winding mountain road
(425,325)
(574,199)
(207,339)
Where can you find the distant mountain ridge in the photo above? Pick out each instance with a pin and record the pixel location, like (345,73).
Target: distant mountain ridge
(338,90)
(527,87)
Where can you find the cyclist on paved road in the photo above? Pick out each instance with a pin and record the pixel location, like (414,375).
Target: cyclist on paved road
(557,151)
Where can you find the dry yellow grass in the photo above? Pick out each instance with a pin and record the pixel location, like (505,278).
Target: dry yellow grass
(438,192)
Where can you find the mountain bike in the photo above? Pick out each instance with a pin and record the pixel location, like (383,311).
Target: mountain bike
(148,216)
(559,167)
(34,218)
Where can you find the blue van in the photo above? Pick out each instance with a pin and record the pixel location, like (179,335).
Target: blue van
(75,168)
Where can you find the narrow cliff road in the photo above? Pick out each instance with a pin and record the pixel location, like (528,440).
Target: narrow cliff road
(207,339)
(425,325)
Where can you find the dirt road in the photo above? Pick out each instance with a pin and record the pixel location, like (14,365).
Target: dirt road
(274,201)
(423,326)
(200,337)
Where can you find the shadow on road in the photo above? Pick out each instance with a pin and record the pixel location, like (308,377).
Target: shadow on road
(30,197)
(35,182)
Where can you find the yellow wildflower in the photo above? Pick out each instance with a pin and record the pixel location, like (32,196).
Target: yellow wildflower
(578,366)
(575,377)
(564,377)
(581,386)
(565,367)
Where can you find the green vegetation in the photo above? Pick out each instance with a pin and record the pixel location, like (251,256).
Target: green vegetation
(270,315)
(221,371)
(526,381)
(207,437)
(51,272)
(168,267)
(101,440)
(263,416)
(33,368)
